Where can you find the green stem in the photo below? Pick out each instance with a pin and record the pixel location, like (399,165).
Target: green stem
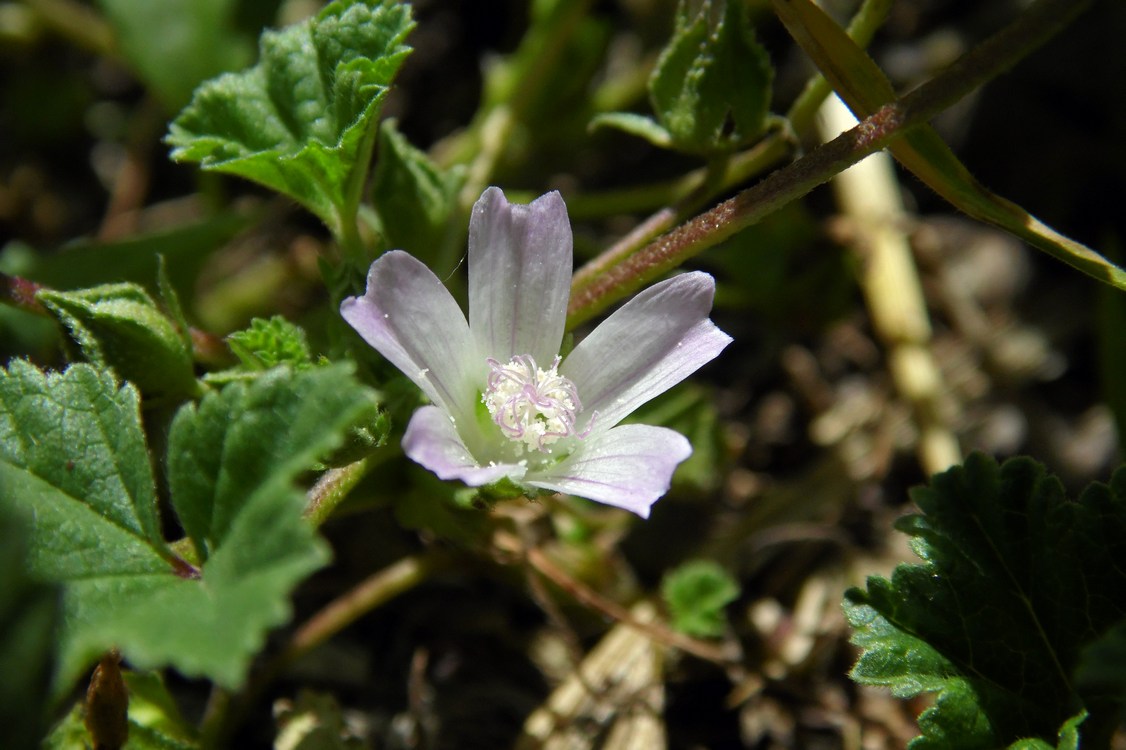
(226,711)
(884,126)
(712,178)
(374,591)
(685,195)
(347,230)
(333,487)
(861,29)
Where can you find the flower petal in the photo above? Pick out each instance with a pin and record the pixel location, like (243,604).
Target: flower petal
(432,440)
(653,342)
(629,467)
(413,321)
(519,275)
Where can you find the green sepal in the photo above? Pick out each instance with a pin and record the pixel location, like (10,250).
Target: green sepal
(302,120)
(120,327)
(696,594)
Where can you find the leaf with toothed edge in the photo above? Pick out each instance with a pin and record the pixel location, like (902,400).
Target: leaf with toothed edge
(73,462)
(302,121)
(1017,581)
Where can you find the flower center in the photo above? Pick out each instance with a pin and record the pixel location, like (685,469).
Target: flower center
(532,406)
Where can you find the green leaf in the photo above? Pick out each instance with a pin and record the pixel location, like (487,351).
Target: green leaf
(232,457)
(711,87)
(635,124)
(119,326)
(29,617)
(696,594)
(1016,580)
(302,121)
(84,263)
(412,196)
(268,343)
(73,461)
(173,45)
(865,89)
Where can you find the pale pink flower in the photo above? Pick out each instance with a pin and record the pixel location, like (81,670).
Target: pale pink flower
(504,404)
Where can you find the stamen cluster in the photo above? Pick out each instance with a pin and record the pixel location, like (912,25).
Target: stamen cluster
(532,406)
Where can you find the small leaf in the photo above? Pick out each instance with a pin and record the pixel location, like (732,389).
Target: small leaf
(696,594)
(302,121)
(1016,580)
(119,326)
(711,87)
(412,196)
(173,45)
(73,461)
(634,124)
(268,343)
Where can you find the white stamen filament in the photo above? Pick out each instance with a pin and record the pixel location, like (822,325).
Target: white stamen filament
(532,406)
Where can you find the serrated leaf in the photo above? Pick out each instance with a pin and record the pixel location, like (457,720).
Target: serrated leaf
(119,326)
(1016,580)
(29,616)
(269,343)
(302,121)
(175,44)
(237,449)
(411,195)
(73,460)
(696,594)
(711,87)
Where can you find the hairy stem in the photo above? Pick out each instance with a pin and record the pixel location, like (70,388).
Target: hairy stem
(688,193)
(889,122)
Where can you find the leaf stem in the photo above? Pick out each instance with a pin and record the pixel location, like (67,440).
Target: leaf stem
(374,591)
(885,125)
(688,193)
(20,293)
(582,593)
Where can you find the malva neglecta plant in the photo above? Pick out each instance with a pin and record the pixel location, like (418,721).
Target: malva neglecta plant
(336,497)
